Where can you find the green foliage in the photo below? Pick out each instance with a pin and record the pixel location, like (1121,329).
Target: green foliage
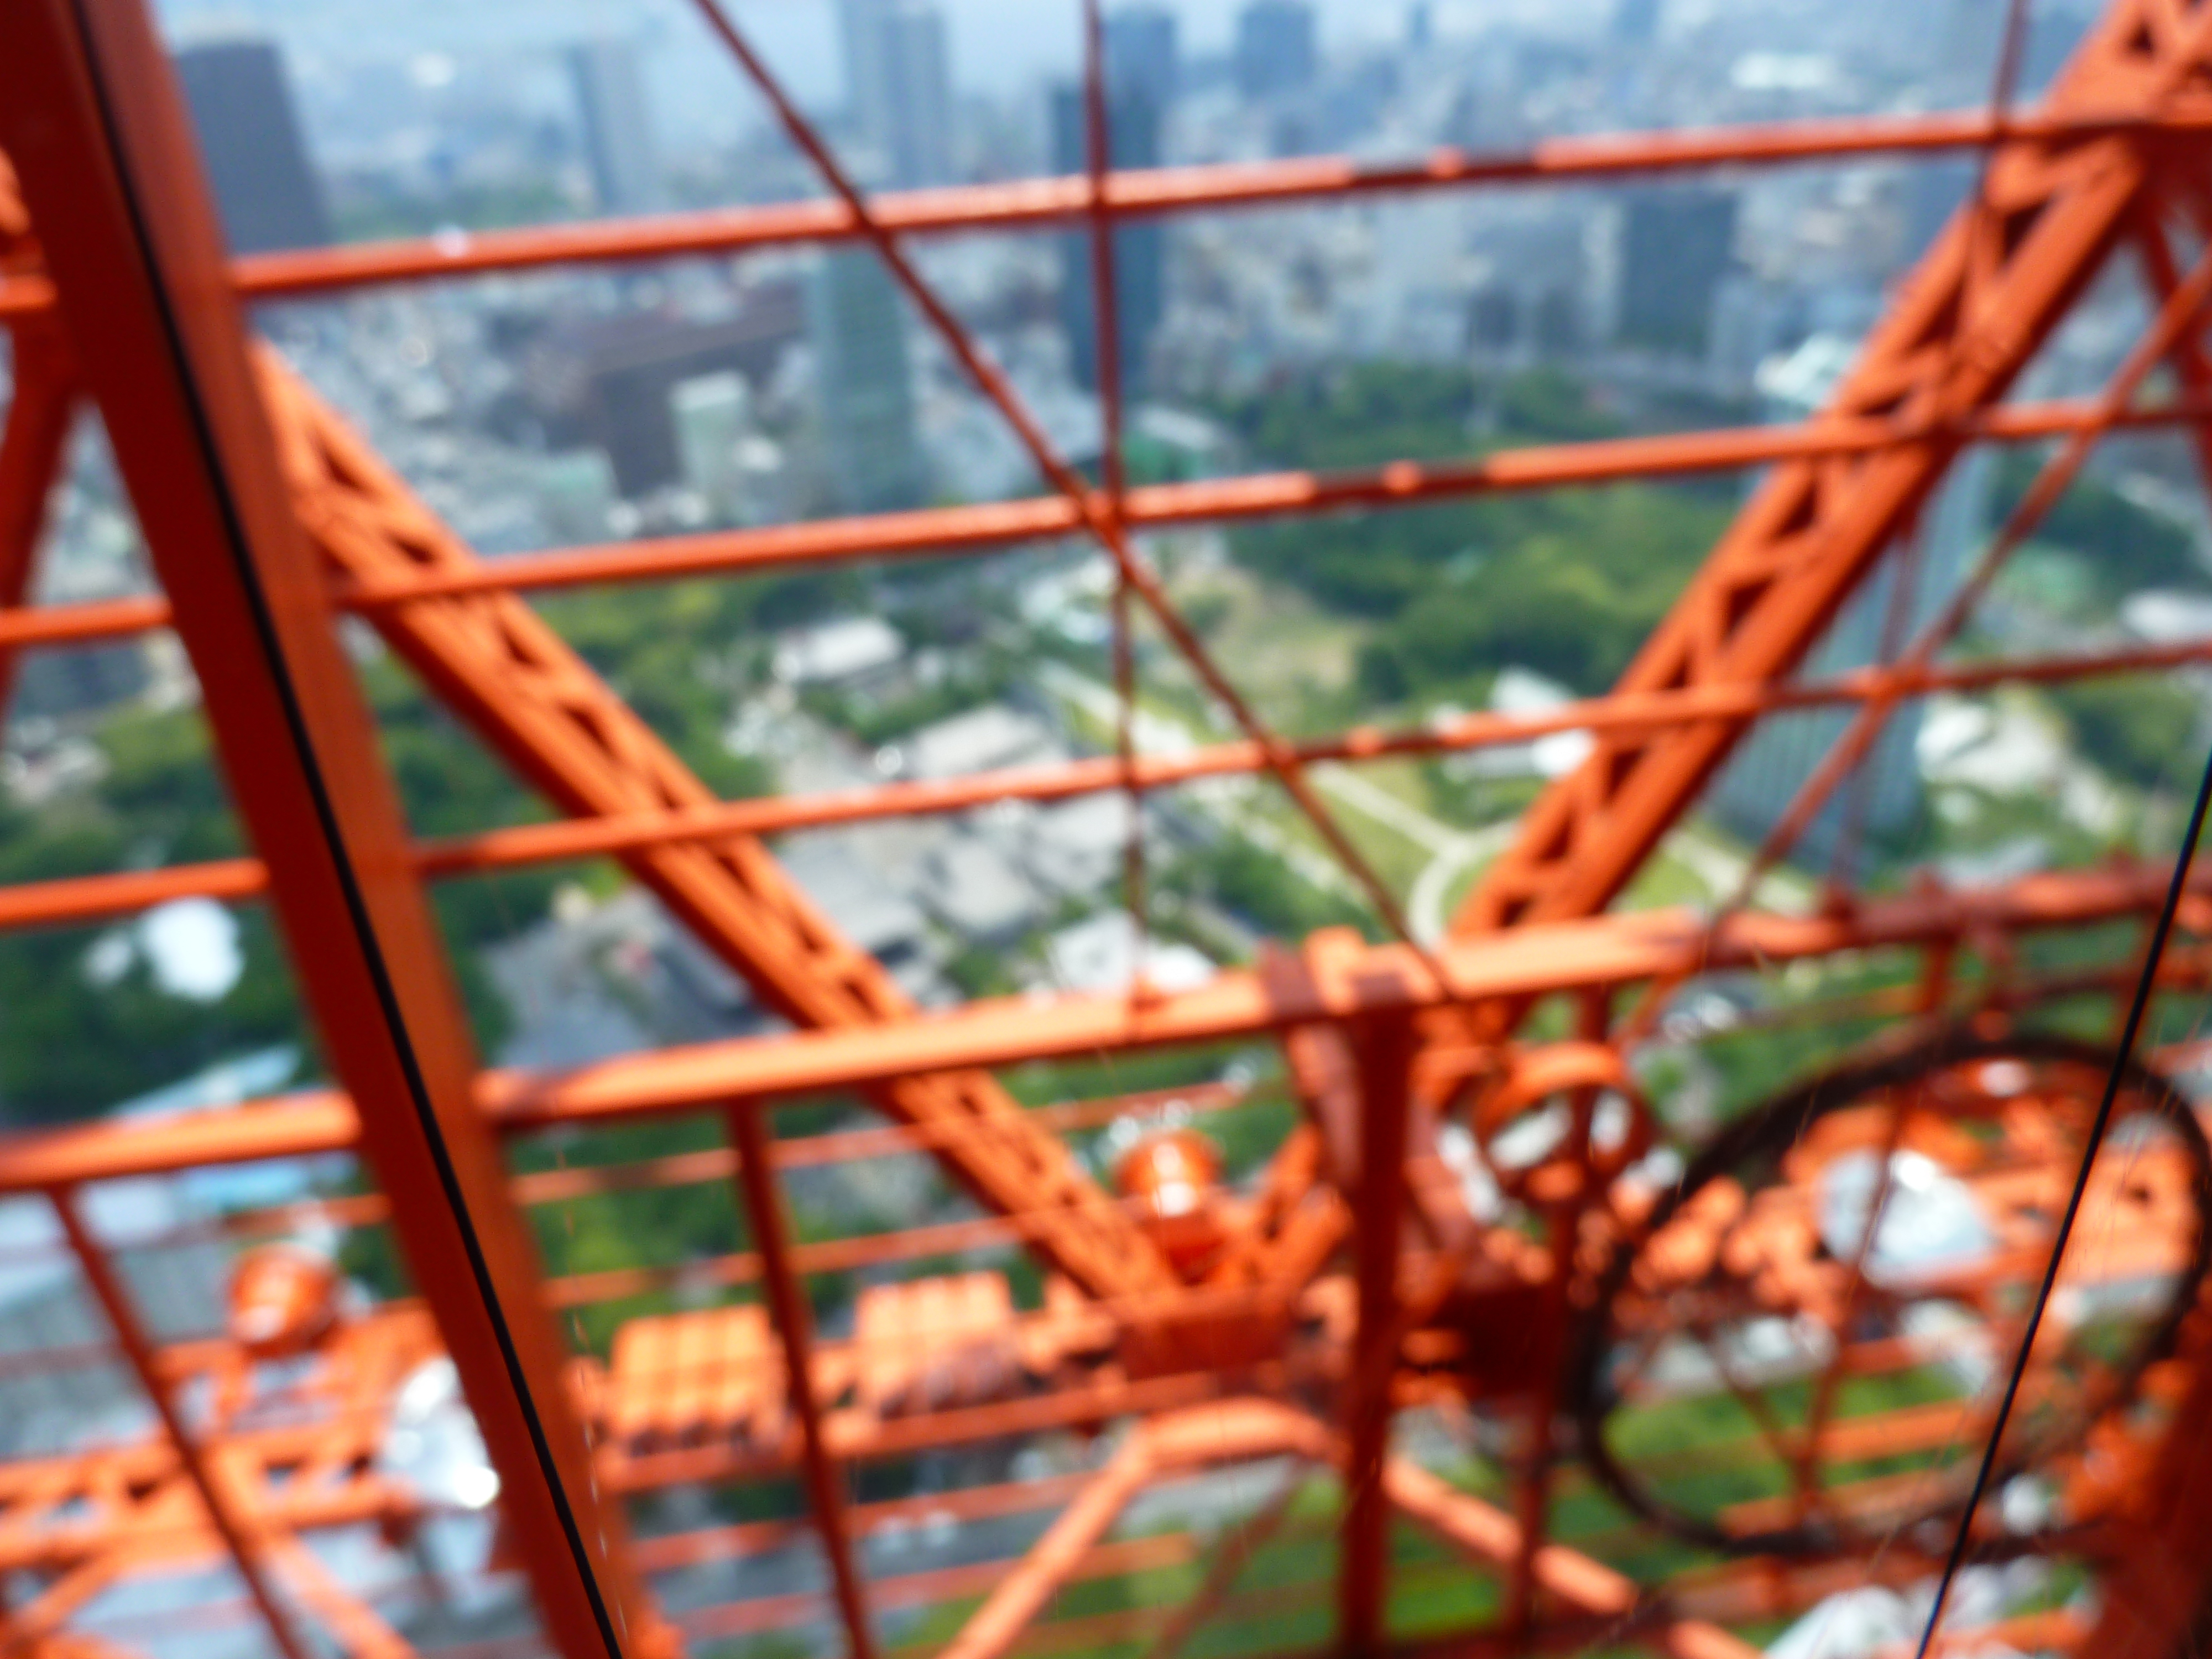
(69,1048)
(2141,730)
(369,216)
(2129,547)
(1260,888)
(665,1227)
(1567,583)
(1571,592)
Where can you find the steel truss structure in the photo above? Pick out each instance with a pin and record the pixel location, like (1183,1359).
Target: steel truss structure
(1355,1280)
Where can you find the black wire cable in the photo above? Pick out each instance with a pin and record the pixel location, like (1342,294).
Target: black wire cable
(2133,1028)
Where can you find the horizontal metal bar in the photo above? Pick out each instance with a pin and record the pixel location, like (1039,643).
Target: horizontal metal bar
(1034,203)
(1609,950)
(80,899)
(946,531)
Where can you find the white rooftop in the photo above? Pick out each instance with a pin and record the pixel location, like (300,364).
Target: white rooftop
(1797,383)
(980,740)
(1100,956)
(845,649)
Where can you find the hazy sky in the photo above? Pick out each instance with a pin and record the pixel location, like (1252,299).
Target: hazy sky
(999,46)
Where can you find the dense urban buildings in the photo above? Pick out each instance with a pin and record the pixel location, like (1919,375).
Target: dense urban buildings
(961,1106)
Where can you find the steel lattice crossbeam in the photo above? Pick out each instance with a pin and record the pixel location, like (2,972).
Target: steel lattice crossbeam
(1356,1281)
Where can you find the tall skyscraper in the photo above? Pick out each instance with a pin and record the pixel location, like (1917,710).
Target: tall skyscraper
(898,88)
(1635,22)
(1133,123)
(241,105)
(1676,246)
(1274,50)
(1143,55)
(866,394)
(618,126)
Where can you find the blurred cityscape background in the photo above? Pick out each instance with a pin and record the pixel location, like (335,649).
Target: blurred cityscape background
(573,407)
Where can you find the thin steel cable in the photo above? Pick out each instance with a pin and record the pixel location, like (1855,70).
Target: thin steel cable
(1281,758)
(2177,315)
(2137,1006)
(1106,321)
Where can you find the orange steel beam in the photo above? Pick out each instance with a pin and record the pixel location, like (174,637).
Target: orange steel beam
(2179,315)
(93,121)
(1137,578)
(352,1620)
(237,1534)
(1034,203)
(535,701)
(2154,1604)
(40,408)
(935,1586)
(86,898)
(1383,1054)
(794,1324)
(948,531)
(1981,303)
(1234,1430)
(1595,953)
(2162,271)
(1598,951)
(1488,1534)
(1025,1590)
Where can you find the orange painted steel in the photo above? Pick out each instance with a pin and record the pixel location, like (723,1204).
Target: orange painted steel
(535,702)
(39,413)
(1020,1595)
(933,532)
(88,898)
(95,125)
(247,1553)
(1963,326)
(946,1362)
(1611,950)
(1039,204)
(1136,579)
(1383,1061)
(794,1326)
(2179,316)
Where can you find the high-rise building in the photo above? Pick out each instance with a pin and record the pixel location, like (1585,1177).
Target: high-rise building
(1676,246)
(1635,22)
(861,48)
(241,105)
(898,88)
(1143,55)
(1133,122)
(618,126)
(1275,51)
(866,392)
